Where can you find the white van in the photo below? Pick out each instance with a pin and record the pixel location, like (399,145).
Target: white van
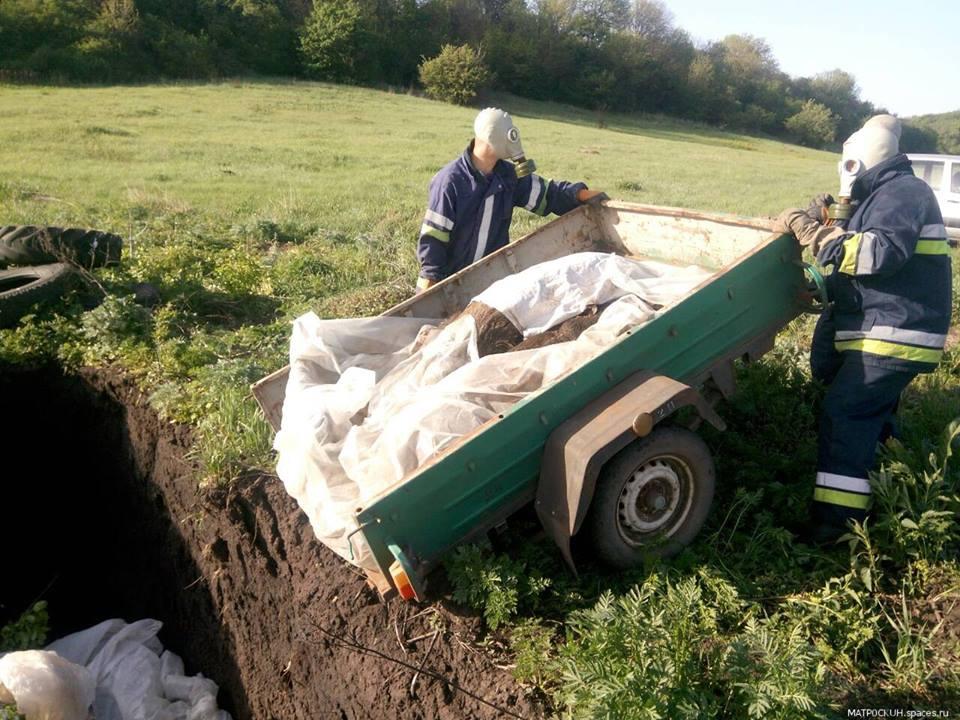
(942,173)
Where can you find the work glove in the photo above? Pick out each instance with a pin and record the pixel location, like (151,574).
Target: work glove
(425,284)
(585,196)
(819,207)
(809,232)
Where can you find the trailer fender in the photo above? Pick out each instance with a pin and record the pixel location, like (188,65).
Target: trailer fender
(577,450)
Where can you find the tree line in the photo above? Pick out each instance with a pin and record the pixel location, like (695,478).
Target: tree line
(607,55)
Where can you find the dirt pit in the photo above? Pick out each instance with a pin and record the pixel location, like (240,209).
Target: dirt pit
(103,519)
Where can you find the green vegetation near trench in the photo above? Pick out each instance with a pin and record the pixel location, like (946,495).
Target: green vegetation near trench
(246,204)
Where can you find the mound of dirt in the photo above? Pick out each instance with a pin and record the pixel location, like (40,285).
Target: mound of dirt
(112,524)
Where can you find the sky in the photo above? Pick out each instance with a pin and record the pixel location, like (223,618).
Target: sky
(904,54)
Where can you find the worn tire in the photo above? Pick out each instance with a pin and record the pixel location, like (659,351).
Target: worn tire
(39,245)
(22,288)
(651,498)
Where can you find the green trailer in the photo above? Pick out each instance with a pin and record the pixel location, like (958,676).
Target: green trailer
(609,450)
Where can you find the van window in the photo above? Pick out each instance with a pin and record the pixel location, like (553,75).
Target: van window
(930,171)
(955,180)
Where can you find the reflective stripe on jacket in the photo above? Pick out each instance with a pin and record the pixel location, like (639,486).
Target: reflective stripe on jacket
(468,215)
(891,284)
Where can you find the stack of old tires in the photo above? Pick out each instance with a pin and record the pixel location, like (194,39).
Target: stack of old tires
(43,263)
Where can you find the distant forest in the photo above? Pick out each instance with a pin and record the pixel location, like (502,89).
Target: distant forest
(607,55)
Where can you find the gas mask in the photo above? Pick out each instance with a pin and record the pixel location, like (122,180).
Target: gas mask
(876,141)
(495,127)
(842,210)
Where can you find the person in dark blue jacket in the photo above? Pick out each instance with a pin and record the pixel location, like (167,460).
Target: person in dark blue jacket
(472,199)
(890,293)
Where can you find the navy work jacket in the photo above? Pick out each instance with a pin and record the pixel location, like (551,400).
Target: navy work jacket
(891,284)
(468,214)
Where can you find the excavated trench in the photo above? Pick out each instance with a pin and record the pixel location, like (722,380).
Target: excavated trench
(103,518)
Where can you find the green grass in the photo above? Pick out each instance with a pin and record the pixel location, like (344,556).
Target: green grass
(347,159)
(247,203)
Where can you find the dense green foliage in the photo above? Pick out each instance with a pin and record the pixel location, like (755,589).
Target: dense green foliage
(28,632)
(119,40)
(455,75)
(606,55)
(814,125)
(331,40)
(941,132)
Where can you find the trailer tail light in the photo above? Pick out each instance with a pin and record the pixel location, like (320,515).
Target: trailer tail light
(403,575)
(402,582)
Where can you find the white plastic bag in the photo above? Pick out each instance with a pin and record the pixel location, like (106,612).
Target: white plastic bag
(45,686)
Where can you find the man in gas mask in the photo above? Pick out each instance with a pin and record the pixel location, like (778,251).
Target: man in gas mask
(472,199)
(889,314)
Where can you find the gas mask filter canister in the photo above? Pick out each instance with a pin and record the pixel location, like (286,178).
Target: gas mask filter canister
(849,169)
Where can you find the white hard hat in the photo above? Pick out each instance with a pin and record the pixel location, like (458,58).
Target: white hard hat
(495,127)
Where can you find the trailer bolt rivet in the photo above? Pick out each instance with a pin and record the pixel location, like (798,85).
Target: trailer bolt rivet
(673,332)
(543,418)
(609,375)
(730,293)
(471,466)
(643,424)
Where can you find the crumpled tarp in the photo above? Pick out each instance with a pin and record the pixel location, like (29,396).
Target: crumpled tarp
(370,400)
(120,669)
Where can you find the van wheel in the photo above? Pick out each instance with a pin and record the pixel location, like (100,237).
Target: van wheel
(651,498)
(22,288)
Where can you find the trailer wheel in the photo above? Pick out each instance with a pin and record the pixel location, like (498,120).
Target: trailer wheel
(651,498)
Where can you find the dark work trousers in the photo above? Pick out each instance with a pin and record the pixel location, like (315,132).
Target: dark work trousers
(857,413)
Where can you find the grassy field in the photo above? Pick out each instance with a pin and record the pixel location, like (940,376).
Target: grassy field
(348,158)
(247,203)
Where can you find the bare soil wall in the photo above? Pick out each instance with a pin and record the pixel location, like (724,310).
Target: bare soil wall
(102,500)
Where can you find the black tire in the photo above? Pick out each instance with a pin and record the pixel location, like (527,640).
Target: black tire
(23,288)
(651,498)
(29,245)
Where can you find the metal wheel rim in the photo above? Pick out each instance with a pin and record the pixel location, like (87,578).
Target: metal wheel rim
(655,500)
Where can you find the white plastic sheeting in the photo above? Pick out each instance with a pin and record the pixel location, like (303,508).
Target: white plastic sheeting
(370,400)
(44,686)
(120,669)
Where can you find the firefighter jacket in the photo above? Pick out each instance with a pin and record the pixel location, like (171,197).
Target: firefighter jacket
(891,283)
(468,215)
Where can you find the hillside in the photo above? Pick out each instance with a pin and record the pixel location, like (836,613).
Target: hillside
(946,128)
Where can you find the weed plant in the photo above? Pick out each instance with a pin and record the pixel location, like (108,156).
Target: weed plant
(28,632)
